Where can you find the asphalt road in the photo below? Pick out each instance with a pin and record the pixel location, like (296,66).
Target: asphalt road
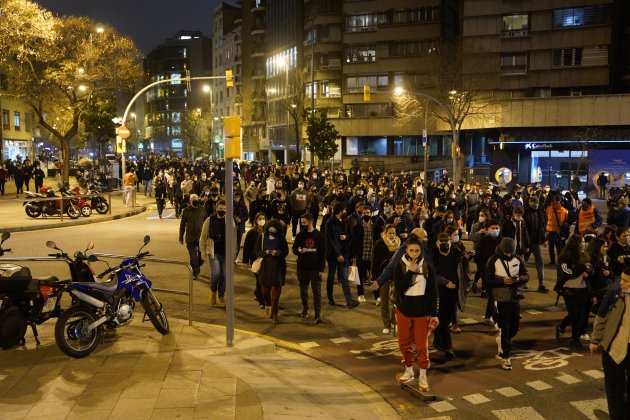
(549,379)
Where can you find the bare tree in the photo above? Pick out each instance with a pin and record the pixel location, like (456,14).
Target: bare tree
(294,103)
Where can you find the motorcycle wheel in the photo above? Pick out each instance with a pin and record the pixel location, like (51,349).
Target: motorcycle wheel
(86,211)
(73,211)
(155,311)
(102,207)
(71,333)
(12,327)
(33,211)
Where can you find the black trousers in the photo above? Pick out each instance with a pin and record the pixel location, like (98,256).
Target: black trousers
(448,298)
(508,318)
(617,381)
(577,314)
(295,221)
(306,278)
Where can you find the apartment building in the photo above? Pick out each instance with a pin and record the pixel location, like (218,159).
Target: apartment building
(187,52)
(559,72)
(17,125)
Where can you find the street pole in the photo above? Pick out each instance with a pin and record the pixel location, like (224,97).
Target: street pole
(229,251)
(312,91)
(1,131)
(425,143)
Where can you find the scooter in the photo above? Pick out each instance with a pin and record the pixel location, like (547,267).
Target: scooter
(51,207)
(79,329)
(97,202)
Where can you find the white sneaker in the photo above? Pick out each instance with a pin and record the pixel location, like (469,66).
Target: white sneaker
(406,377)
(236,261)
(423,384)
(361,299)
(385,330)
(506,364)
(585,337)
(488,321)
(378,301)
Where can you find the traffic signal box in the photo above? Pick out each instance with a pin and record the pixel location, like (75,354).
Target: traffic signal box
(229,79)
(366,94)
(232,137)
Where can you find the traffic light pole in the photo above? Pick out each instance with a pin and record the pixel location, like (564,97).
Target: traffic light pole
(230,236)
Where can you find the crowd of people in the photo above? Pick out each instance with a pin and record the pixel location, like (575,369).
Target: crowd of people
(400,238)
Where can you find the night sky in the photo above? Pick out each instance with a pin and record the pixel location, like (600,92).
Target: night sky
(148,22)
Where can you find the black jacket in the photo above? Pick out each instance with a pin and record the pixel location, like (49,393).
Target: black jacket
(415,306)
(535,221)
(521,236)
(357,239)
(502,292)
(334,245)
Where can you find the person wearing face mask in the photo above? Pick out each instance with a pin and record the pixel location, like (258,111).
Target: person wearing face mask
(485,249)
(358,196)
(191,224)
(364,235)
(281,209)
(435,224)
(240,217)
(249,257)
(338,251)
(588,218)
(384,249)
(416,300)
(310,248)
(160,194)
(557,227)
(273,248)
(619,215)
(463,270)
(505,273)
(211,202)
(213,242)
(402,221)
(619,253)
(515,228)
(611,333)
(300,203)
(535,222)
(472,206)
(385,214)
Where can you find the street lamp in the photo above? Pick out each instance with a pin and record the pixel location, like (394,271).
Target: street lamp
(398,91)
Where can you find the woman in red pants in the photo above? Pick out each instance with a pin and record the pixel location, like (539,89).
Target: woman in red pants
(416,310)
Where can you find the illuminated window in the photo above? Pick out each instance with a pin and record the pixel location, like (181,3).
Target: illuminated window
(176,78)
(515,25)
(16,120)
(581,16)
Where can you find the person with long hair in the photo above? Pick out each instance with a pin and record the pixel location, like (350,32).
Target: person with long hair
(273,248)
(252,236)
(383,250)
(573,270)
(600,280)
(619,254)
(416,297)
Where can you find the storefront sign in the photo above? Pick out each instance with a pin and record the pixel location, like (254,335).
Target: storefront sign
(537,146)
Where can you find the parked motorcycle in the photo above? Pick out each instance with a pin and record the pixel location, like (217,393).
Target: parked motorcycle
(24,301)
(51,207)
(97,202)
(79,329)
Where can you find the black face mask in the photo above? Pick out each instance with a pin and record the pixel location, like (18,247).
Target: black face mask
(194,203)
(367,218)
(445,247)
(220,213)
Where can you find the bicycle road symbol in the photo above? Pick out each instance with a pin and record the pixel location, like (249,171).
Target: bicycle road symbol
(545,359)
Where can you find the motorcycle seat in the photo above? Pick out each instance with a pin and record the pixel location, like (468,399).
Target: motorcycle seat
(46,280)
(108,286)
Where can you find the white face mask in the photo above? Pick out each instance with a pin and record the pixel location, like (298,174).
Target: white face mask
(455,239)
(482,219)
(261,222)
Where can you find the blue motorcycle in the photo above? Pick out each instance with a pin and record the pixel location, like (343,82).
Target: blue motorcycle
(109,304)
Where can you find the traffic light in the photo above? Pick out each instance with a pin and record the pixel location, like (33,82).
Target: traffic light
(232,137)
(229,79)
(366,93)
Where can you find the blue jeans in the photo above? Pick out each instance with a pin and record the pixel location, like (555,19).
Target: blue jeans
(341,269)
(217,274)
(193,253)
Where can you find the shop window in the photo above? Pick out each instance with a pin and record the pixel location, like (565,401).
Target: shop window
(407,146)
(366,146)
(515,25)
(514,63)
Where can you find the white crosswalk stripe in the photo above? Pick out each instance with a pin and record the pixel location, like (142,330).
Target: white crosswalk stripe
(538,385)
(508,391)
(367,336)
(595,374)
(309,344)
(477,399)
(533,312)
(589,407)
(525,413)
(442,406)
(339,340)
(568,379)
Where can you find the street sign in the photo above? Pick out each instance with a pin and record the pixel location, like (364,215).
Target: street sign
(123,132)
(424,136)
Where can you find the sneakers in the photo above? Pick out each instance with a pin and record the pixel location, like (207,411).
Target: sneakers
(489,321)
(559,332)
(352,304)
(423,384)
(361,299)
(318,320)
(406,377)
(304,314)
(213,298)
(483,294)
(378,302)
(386,331)
(543,289)
(455,329)
(449,354)
(331,302)
(220,303)
(585,337)
(268,310)
(506,364)
(236,261)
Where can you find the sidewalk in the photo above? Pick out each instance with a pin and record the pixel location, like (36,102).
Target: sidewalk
(14,219)
(189,373)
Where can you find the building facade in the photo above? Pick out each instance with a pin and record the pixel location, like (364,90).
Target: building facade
(558,71)
(188,52)
(16,125)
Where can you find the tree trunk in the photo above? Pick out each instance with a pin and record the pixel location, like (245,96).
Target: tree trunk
(65,156)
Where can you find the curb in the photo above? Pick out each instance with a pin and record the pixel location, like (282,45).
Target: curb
(79,222)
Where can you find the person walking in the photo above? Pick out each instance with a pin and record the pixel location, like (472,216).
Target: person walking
(571,285)
(557,228)
(240,217)
(300,203)
(161,194)
(147,180)
(505,273)
(535,223)
(213,245)
(129,183)
(191,225)
(611,333)
(600,280)
(416,297)
(4,174)
(38,176)
(602,181)
(249,256)
(364,235)
(338,255)
(18,178)
(310,248)
(272,247)
(384,249)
